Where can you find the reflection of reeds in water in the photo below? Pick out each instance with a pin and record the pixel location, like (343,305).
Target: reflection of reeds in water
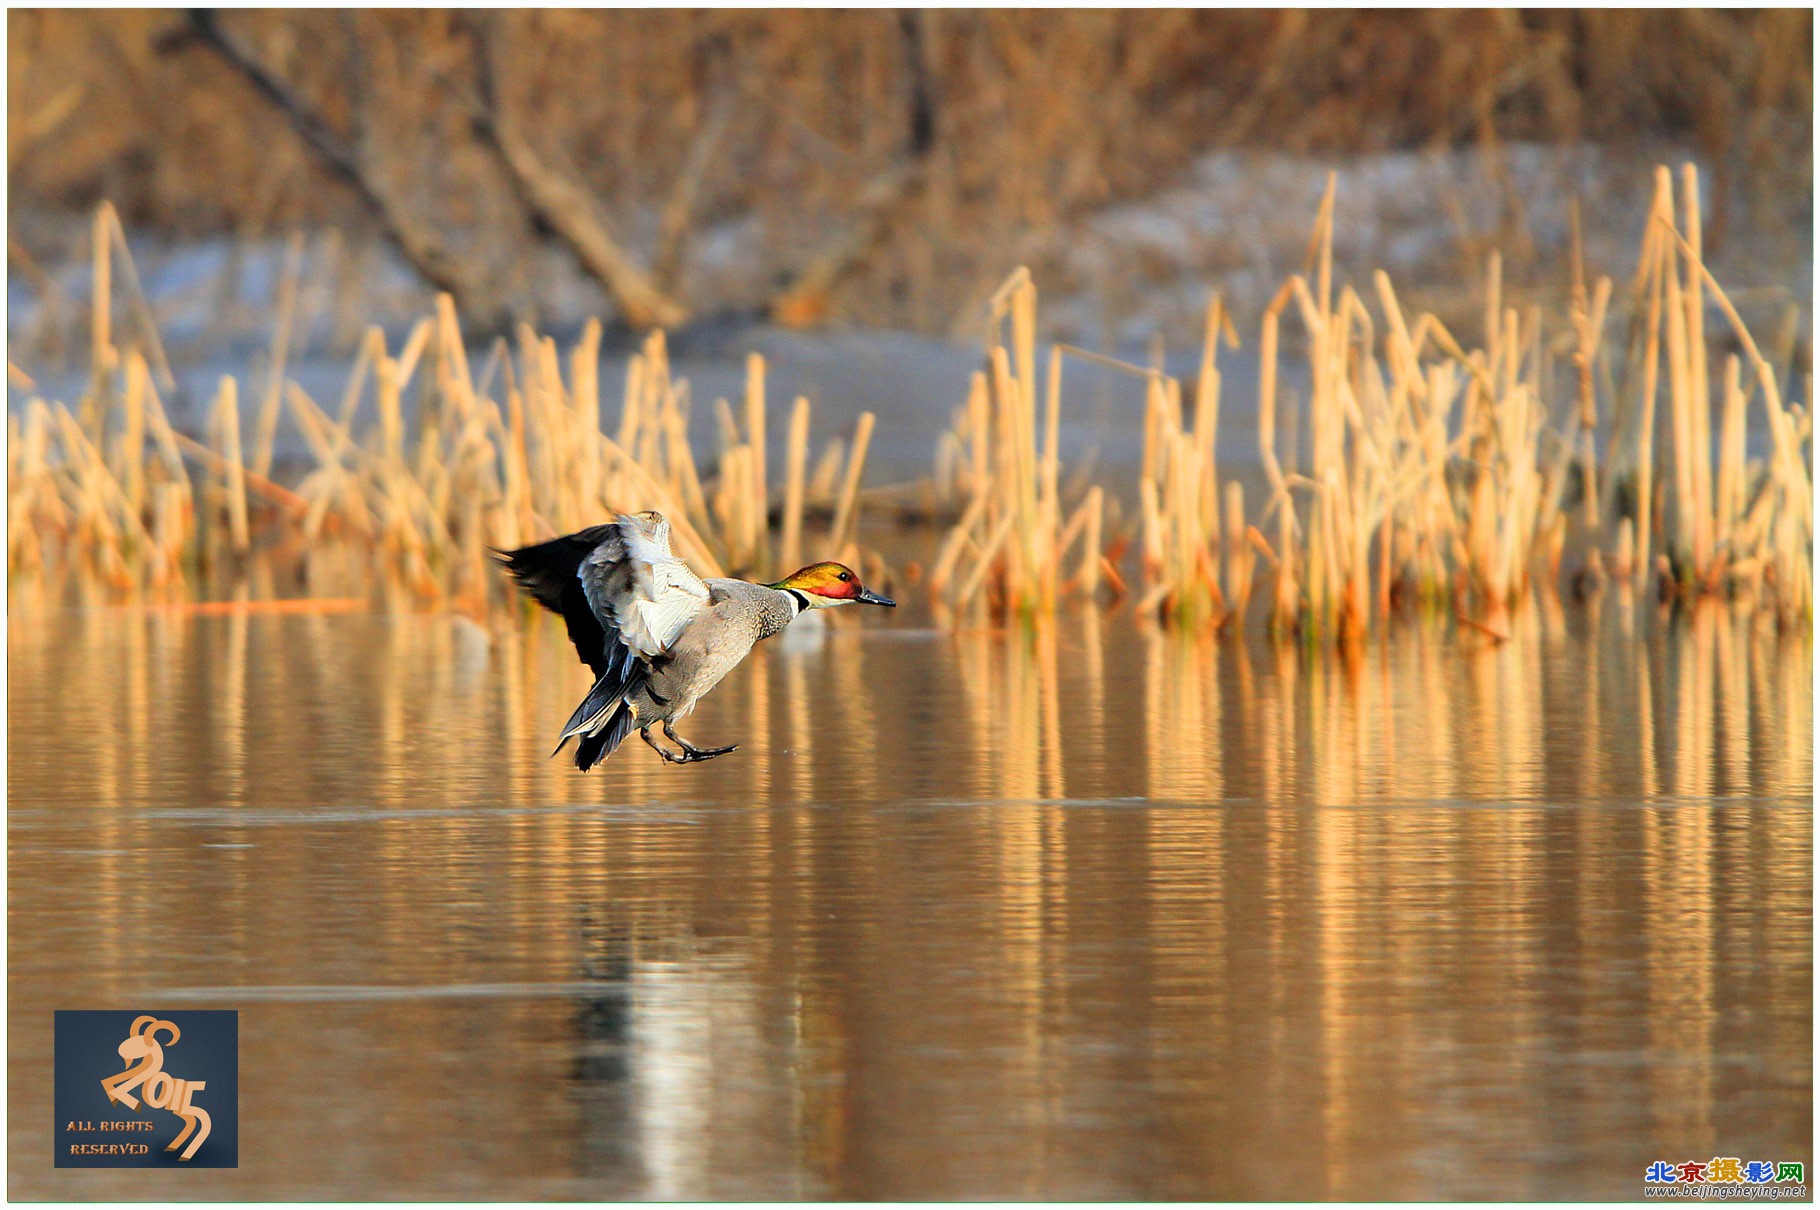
(1011,702)
(1715,702)
(823,972)
(1428,717)
(1183,712)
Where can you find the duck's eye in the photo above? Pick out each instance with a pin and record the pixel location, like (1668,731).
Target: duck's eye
(845,576)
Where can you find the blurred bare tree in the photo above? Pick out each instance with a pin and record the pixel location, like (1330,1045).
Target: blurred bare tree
(888,160)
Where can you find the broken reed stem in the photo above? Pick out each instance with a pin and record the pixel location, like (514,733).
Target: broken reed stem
(136,299)
(101,330)
(755,436)
(1652,272)
(266,436)
(1179,491)
(132,441)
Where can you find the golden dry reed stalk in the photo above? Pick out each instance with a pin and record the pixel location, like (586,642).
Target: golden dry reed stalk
(1179,493)
(795,460)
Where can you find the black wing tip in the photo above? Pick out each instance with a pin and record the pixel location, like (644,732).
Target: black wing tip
(543,569)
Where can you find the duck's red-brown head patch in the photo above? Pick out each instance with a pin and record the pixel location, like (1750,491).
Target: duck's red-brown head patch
(825,584)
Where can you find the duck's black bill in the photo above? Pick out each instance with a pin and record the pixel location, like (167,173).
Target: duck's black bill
(868,597)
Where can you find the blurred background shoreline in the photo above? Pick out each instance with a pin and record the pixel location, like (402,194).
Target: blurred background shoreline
(876,168)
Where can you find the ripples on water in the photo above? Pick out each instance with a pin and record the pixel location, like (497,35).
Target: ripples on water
(1090,913)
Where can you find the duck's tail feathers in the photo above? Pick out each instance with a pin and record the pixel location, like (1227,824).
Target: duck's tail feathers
(608,693)
(597,747)
(602,721)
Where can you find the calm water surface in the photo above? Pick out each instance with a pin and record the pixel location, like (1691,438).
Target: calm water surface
(1087,914)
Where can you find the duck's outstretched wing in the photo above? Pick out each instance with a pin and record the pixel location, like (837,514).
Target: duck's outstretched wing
(549,573)
(638,588)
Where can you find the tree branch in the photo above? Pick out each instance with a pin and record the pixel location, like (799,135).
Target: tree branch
(679,211)
(418,244)
(564,205)
(804,301)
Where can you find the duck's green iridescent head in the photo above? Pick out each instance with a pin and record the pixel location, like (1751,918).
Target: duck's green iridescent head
(827,584)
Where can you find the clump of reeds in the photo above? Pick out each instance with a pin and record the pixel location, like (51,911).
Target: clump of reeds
(1437,473)
(1731,523)
(1374,473)
(1432,472)
(416,484)
(1012,541)
(1390,500)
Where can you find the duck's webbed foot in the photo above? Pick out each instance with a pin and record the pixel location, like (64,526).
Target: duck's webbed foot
(690,751)
(689,754)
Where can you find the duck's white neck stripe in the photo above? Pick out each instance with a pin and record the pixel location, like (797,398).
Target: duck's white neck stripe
(801,601)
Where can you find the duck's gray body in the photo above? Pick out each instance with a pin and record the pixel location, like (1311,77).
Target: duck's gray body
(738,616)
(657,636)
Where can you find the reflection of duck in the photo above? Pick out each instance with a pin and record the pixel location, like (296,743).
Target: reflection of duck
(657,635)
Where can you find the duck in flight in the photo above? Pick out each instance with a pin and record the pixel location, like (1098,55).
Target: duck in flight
(657,635)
